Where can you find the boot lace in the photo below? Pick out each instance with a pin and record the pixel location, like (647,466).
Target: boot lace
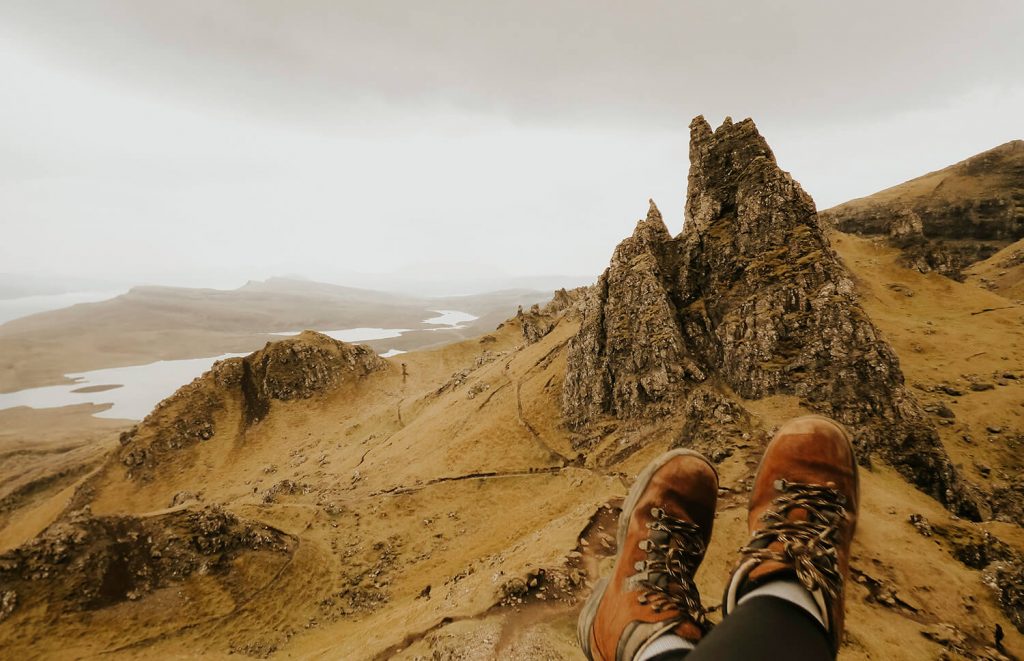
(809,546)
(674,549)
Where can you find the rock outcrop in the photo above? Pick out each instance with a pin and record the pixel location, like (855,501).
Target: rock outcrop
(748,300)
(538,321)
(299,368)
(295,368)
(87,562)
(946,220)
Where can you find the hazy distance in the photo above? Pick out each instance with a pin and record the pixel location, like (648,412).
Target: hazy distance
(207,144)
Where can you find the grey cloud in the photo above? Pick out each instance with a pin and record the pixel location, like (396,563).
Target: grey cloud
(546,61)
(235,139)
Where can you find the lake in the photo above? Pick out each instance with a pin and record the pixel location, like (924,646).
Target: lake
(134,391)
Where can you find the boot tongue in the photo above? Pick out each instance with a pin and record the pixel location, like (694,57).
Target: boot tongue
(769,570)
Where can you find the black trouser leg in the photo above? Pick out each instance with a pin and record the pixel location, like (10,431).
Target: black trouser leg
(762,629)
(765,629)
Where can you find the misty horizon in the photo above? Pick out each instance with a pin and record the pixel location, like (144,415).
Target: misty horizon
(207,146)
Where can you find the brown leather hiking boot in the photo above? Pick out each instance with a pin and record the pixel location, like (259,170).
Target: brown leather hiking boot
(663,532)
(803,513)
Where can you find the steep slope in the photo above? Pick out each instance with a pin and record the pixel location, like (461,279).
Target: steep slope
(458,502)
(388,482)
(948,219)
(1002,273)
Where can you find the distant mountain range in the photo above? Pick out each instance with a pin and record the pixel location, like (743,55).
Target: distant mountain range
(419,284)
(161,323)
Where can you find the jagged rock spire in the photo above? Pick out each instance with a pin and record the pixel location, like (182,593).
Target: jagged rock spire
(751,294)
(732,148)
(639,328)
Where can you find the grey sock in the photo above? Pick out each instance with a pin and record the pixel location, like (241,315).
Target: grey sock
(792,591)
(668,642)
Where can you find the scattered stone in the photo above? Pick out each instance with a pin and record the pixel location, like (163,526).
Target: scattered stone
(944,634)
(720,455)
(981,386)
(183,497)
(921,524)
(1007,580)
(940,410)
(1008,501)
(8,602)
(284,487)
(476,389)
(901,289)
(366,581)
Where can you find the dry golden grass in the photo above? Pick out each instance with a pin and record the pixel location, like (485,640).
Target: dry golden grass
(990,173)
(1003,272)
(431,487)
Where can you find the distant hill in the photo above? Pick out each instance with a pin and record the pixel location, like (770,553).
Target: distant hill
(163,323)
(948,219)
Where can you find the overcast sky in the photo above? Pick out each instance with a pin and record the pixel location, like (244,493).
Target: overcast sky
(208,142)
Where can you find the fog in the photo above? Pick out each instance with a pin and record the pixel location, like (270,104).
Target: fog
(209,143)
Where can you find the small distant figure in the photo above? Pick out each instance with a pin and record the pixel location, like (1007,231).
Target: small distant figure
(405,372)
(999,638)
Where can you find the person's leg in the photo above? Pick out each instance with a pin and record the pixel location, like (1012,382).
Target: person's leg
(650,597)
(785,598)
(765,628)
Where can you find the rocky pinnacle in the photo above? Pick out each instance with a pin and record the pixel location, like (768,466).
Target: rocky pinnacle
(749,300)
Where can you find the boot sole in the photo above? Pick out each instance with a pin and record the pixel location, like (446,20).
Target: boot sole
(588,614)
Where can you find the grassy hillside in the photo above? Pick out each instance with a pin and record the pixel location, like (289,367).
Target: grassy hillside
(446,514)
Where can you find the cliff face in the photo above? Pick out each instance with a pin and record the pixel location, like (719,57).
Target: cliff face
(748,300)
(295,368)
(86,562)
(949,219)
